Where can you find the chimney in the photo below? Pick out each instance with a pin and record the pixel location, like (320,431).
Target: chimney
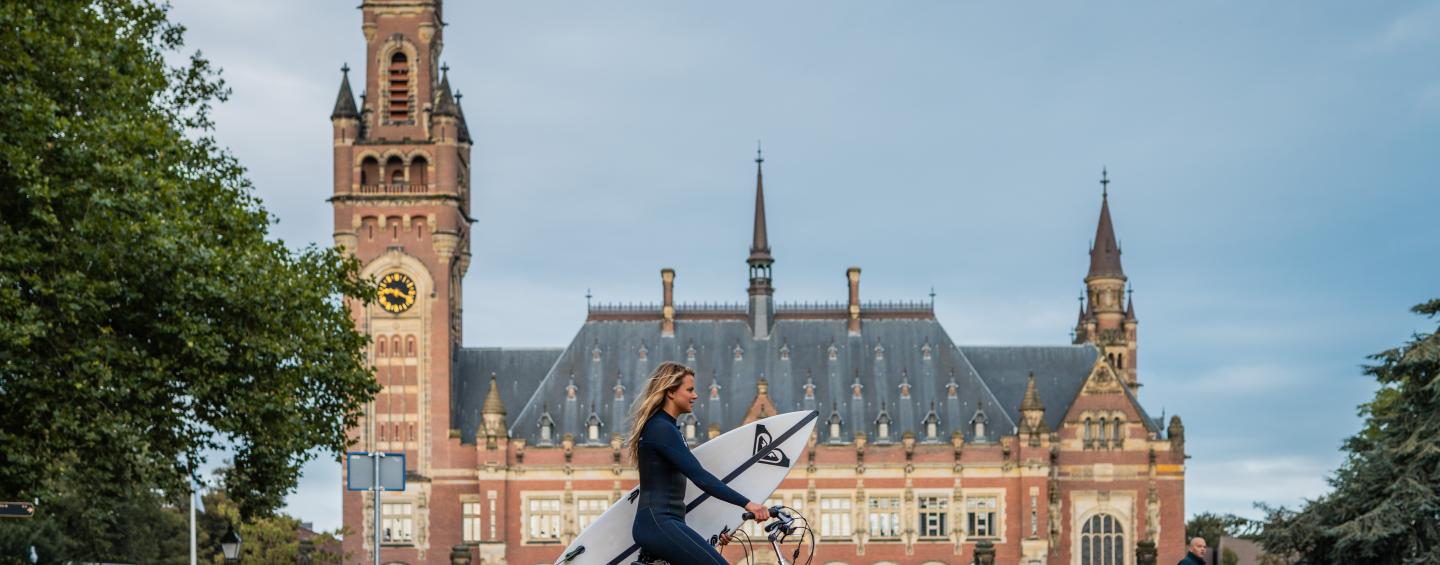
(853,274)
(667,280)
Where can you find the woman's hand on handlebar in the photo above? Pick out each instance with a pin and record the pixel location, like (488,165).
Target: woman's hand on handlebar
(759,511)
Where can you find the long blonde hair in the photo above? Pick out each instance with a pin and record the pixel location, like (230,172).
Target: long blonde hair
(667,378)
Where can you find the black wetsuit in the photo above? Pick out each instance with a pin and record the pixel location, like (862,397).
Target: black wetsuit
(665,462)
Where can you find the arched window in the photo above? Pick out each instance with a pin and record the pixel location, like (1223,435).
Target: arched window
(418,173)
(1102,541)
(380,346)
(399,91)
(1103,431)
(1116,435)
(977,425)
(369,173)
(1089,432)
(882,426)
(410,346)
(932,424)
(835,427)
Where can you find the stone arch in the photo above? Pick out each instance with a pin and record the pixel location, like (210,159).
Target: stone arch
(397,89)
(1089,544)
(398,260)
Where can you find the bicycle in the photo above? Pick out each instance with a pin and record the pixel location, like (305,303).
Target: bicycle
(784,522)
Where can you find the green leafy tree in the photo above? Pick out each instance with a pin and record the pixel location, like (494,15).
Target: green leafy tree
(1211,526)
(146,318)
(1385,506)
(1229,557)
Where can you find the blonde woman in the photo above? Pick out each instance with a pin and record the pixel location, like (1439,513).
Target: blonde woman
(664,462)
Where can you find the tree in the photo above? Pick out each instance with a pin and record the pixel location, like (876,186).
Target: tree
(146,318)
(1211,526)
(1229,557)
(1385,507)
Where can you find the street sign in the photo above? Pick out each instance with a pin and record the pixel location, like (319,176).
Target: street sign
(16,510)
(360,471)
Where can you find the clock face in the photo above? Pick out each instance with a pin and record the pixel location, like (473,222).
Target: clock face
(397,292)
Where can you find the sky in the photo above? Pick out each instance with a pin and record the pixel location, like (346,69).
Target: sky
(1273,172)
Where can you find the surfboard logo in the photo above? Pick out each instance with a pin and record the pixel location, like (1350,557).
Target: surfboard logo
(774,456)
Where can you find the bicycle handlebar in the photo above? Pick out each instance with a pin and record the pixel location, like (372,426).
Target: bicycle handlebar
(774,511)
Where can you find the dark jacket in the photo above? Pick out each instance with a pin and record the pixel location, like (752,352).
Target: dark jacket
(665,462)
(1191,559)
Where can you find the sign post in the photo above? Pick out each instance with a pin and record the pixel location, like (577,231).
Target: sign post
(376,472)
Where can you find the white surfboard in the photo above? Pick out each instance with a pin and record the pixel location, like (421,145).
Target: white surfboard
(752,459)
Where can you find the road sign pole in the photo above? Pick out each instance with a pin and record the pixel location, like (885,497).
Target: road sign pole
(378,488)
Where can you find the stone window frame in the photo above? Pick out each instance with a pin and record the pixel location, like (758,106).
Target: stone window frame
(899,514)
(393,517)
(527,516)
(997,523)
(845,515)
(946,514)
(472,509)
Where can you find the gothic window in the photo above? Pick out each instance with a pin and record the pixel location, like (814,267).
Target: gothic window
(547,429)
(1115,435)
(1089,430)
(399,88)
(1102,541)
(410,346)
(380,346)
(1104,430)
(395,346)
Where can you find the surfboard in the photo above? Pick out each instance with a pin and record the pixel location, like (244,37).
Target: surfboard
(753,459)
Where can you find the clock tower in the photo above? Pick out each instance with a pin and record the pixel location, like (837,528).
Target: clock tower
(401,202)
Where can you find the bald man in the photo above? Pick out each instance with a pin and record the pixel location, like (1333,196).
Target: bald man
(1196,556)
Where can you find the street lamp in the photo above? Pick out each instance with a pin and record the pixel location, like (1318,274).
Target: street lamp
(230,545)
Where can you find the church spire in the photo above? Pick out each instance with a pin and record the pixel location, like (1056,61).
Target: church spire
(762,305)
(760,242)
(1105,253)
(345,101)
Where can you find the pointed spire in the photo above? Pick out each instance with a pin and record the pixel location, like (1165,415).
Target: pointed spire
(1104,251)
(345,101)
(493,404)
(760,243)
(1032,397)
(445,104)
(1130,304)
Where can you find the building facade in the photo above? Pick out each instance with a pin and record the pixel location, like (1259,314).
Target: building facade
(925,447)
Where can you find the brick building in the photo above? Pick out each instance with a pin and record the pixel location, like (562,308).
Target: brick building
(925,447)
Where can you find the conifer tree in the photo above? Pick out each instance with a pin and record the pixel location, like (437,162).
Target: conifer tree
(1385,506)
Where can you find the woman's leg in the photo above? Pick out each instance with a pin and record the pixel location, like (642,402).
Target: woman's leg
(673,541)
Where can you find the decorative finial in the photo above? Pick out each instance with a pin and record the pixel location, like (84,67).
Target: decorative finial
(759,157)
(458,96)
(587,298)
(445,68)
(345,68)
(1130,291)
(1104,183)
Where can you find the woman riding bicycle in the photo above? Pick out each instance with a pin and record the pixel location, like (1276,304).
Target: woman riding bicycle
(664,462)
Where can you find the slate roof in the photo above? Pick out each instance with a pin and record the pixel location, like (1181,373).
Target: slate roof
(518,371)
(988,380)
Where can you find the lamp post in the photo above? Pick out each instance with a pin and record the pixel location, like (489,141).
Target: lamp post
(230,545)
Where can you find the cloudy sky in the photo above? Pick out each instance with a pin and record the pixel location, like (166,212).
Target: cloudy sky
(1274,169)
